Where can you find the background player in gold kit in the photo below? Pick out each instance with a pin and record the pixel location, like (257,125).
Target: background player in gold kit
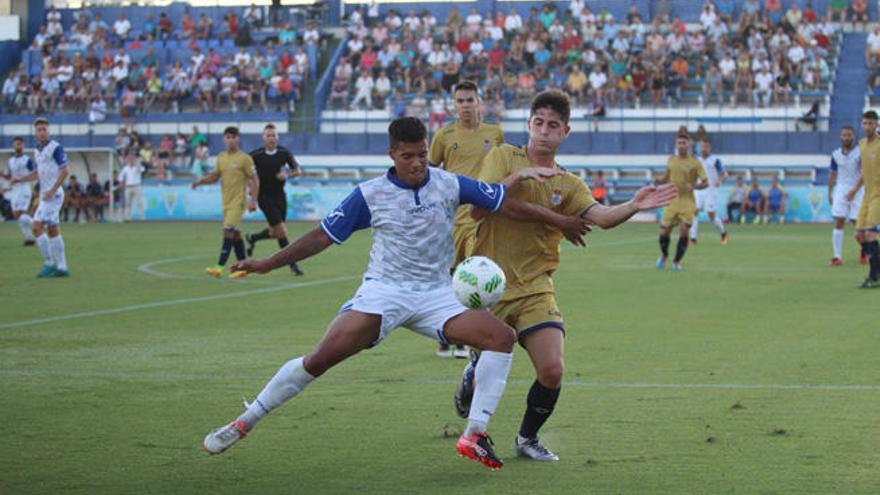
(528,252)
(868,223)
(236,173)
(459,148)
(687,174)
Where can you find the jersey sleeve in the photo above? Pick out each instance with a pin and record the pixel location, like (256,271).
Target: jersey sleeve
(351,215)
(60,156)
(291,161)
(480,194)
(438,149)
(30,165)
(579,198)
(701,172)
(718,166)
(494,167)
(250,169)
(499,138)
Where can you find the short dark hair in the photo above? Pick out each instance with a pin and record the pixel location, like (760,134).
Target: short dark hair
(683,135)
(231,130)
(268,126)
(465,86)
(18,138)
(870,115)
(406,130)
(554,100)
(847,128)
(45,121)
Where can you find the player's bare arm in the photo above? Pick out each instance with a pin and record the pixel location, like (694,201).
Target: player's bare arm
(253,183)
(310,244)
(832,180)
(701,184)
(62,174)
(208,179)
(662,179)
(646,198)
(25,178)
(851,195)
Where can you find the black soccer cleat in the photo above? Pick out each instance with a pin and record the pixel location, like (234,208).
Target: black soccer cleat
(294,269)
(29,242)
(251,244)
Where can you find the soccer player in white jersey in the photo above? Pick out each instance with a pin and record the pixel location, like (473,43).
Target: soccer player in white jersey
(411,210)
(51,171)
(845,172)
(707,198)
(21,165)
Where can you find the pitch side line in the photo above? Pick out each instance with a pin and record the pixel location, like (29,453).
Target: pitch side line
(148,269)
(172,302)
(115,375)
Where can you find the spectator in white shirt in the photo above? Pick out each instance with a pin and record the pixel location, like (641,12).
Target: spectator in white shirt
(598,79)
(122,27)
(130,178)
(513,23)
(412,21)
(708,16)
(242,57)
(873,50)
(122,56)
(473,21)
(364,91)
(763,87)
(796,56)
(97,110)
(382,87)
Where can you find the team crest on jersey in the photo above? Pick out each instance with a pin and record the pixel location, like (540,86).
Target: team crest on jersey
(556,199)
(486,145)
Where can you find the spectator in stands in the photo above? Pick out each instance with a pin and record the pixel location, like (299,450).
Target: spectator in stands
(782,86)
(775,203)
(755,203)
(837,9)
(201,166)
(381,88)
(860,13)
(73,198)
(600,188)
(713,84)
(418,105)
(576,83)
(339,90)
(810,118)
(207,87)
(735,201)
(181,151)
(662,11)
(145,156)
(164,155)
(122,27)
(166,27)
(253,16)
(438,111)
(398,107)
(363,91)
(94,200)
(763,92)
(97,110)
(657,85)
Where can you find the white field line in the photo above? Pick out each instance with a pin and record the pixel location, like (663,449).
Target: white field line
(172,302)
(148,269)
(152,377)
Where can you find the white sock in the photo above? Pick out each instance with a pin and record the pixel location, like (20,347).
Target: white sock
(491,378)
(56,246)
(837,242)
(694,227)
(43,243)
(719,225)
(24,223)
(290,380)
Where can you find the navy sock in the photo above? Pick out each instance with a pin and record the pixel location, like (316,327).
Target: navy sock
(239,249)
(282,242)
(873,251)
(681,248)
(259,236)
(224,251)
(664,246)
(539,407)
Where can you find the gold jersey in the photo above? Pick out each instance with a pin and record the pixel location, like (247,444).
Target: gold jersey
(528,252)
(234,169)
(870,160)
(684,172)
(460,151)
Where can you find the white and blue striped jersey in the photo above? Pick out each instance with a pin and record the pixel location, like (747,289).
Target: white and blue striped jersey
(412,227)
(714,168)
(19,166)
(50,160)
(848,167)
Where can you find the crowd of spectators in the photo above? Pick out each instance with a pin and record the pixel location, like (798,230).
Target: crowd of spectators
(161,65)
(755,53)
(178,154)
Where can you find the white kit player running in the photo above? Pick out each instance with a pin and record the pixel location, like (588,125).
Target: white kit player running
(21,165)
(707,198)
(846,169)
(51,171)
(410,210)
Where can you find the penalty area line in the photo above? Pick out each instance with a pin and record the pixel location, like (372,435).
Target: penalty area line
(172,302)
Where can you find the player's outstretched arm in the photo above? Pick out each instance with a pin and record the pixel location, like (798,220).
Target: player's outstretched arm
(574,228)
(701,184)
(253,183)
(306,246)
(646,198)
(208,179)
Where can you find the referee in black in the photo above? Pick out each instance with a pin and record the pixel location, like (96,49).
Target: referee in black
(274,165)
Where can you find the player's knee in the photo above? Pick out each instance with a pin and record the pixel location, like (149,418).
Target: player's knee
(500,338)
(550,374)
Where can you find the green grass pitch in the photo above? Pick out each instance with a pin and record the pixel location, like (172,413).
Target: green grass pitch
(753,371)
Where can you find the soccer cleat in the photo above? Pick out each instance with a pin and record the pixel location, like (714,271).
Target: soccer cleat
(870,284)
(238,274)
(724,239)
(464,391)
(294,269)
(863,259)
(444,351)
(692,242)
(46,271)
(460,352)
(661,263)
(215,271)
(29,242)
(479,447)
(220,439)
(59,273)
(676,267)
(835,262)
(251,244)
(532,448)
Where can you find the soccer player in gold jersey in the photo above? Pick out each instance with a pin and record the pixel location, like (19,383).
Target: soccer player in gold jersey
(528,252)
(687,174)
(868,223)
(236,173)
(459,148)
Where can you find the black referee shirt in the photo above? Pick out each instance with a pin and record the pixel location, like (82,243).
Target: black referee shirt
(268,166)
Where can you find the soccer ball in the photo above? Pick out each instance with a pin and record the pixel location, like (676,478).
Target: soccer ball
(478,282)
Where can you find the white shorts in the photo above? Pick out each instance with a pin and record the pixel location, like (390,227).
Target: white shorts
(48,211)
(706,199)
(841,208)
(423,312)
(21,199)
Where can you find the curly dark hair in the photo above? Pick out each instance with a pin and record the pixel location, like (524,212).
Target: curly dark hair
(554,100)
(406,130)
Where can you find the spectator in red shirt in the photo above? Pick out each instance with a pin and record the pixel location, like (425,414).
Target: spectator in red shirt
(809,14)
(166,27)
(368,59)
(496,56)
(231,22)
(285,61)
(463,46)
(188,25)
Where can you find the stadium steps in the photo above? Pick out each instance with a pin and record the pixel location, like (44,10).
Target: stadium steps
(850,82)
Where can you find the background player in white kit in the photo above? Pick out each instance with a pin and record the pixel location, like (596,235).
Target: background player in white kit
(845,172)
(21,165)
(707,198)
(51,170)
